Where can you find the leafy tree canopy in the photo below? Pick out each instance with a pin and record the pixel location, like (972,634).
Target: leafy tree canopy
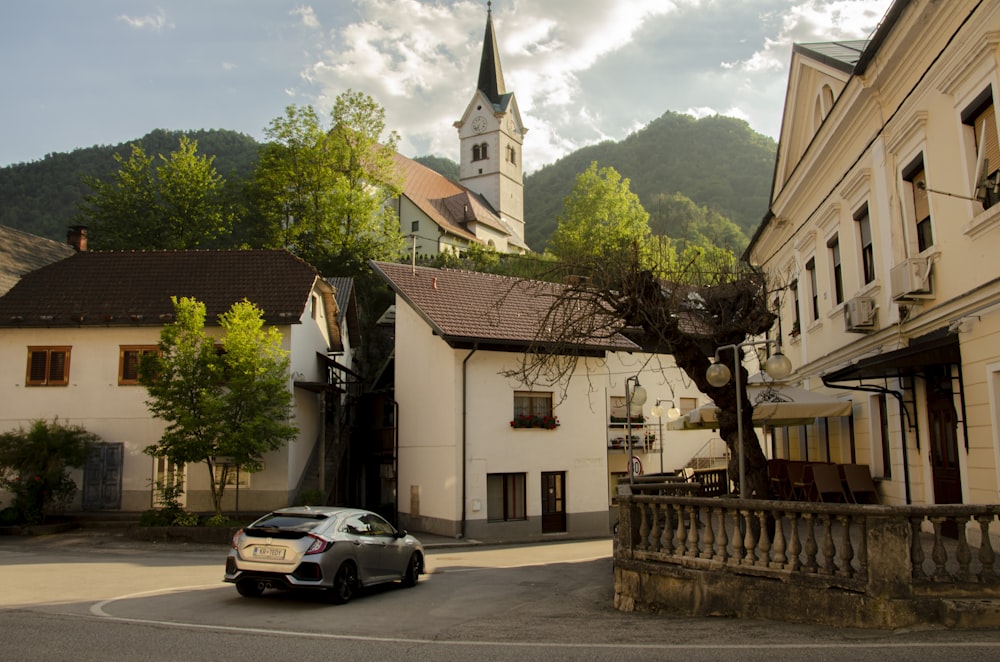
(231,401)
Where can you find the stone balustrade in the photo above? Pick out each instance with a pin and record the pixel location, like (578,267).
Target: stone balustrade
(843,564)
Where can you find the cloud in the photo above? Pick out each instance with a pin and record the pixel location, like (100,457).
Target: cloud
(155,22)
(308,16)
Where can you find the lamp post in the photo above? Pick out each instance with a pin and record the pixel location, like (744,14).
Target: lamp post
(633,396)
(673,413)
(777,366)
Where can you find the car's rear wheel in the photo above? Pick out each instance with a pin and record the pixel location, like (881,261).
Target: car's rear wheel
(345,583)
(249,588)
(412,570)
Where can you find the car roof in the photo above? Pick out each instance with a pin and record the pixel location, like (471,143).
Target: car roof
(330,511)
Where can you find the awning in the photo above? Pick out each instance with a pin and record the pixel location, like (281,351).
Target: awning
(774,405)
(938,348)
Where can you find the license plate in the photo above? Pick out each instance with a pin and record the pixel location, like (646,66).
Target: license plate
(269,553)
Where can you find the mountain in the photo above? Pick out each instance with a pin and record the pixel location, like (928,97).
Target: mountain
(719,163)
(41,197)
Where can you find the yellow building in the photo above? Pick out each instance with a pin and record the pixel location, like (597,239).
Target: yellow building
(881,242)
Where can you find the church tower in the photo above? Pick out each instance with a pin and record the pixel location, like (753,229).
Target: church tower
(491,135)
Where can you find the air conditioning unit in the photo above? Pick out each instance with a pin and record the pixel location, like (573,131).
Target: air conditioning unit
(911,279)
(859,315)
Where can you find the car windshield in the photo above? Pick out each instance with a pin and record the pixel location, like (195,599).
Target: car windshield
(286,522)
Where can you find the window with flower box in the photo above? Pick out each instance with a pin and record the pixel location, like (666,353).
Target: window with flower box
(533,410)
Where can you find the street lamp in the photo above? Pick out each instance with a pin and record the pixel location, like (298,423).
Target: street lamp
(633,396)
(673,413)
(777,366)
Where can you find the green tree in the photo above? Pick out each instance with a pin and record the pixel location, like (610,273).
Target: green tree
(234,403)
(178,204)
(325,193)
(34,467)
(601,217)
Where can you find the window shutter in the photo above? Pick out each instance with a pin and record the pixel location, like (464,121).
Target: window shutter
(990,147)
(57,367)
(37,363)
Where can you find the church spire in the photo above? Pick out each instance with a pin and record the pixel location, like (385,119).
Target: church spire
(490,73)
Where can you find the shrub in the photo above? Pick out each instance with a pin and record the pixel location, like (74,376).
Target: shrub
(34,467)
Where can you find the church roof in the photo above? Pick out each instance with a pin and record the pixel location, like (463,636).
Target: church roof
(490,74)
(451,206)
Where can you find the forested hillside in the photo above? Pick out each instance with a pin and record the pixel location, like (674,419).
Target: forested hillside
(41,197)
(718,163)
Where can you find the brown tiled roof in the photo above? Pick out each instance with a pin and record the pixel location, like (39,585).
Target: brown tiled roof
(21,253)
(466,307)
(450,205)
(134,288)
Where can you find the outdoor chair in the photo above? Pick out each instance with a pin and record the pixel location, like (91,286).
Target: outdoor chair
(826,479)
(777,469)
(859,481)
(800,480)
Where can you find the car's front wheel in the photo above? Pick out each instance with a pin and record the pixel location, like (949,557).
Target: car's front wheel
(412,570)
(249,588)
(345,583)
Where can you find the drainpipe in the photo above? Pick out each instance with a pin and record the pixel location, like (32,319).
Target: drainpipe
(465,413)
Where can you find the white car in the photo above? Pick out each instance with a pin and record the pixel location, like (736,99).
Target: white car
(338,550)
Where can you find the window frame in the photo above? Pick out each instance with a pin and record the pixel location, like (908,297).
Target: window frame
(511,508)
(140,350)
(914,175)
(837,268)
(867,244)
(47,380)
(814,288)
(534,409)
(984,103)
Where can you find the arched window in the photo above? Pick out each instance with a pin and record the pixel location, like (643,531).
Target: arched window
(476,155)
(511,154)
(483,151)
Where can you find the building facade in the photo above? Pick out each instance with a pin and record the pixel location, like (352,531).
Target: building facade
(880,243)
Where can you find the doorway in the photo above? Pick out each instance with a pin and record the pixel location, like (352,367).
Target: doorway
(553,502)
(943,431)
(102,477)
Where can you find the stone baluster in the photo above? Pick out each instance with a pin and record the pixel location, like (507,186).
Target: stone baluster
(667,544)
(749,541)
(811,548)
(763,540)
(681,532)
(722,548)
(708,539)
(737,556)
(827,547)
(916,549)
(780,558)
(643,527)
(692,546)
(654,534)
(986,556)
(794,544)
(939,555)
(963,554)
(863,547)
(846,569)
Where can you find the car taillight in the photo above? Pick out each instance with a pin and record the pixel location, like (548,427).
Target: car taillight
(236,539)
(318,546)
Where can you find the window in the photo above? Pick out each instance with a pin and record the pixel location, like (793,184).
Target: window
(483,151)
(415,226)
(511,154)
(916,177)
(867,250)
(838,270)
(476,154)
(505,497)
(880,445)
(234,475)
(814,288)
(686,405)
(48,366)
(981,118)
(533,410)
(796,319)
(128,362)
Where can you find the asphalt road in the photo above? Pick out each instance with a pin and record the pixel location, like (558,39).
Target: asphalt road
(88,597)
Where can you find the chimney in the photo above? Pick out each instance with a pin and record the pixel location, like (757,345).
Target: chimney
(76,237)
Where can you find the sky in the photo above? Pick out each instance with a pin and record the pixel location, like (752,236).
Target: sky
(78,73)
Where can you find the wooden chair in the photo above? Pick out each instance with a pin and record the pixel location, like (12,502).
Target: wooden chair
(781,487)
(859,481)
(800,480)
(826,479)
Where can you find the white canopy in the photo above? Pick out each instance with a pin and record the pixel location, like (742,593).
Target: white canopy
(774,405)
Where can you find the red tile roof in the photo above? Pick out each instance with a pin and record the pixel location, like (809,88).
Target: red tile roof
(134,288)
(502,312)
(450,205)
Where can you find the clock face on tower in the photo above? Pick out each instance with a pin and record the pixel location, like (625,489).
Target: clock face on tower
(479,124)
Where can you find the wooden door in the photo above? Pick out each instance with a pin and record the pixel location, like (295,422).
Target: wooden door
(943,431)
(102,478)
(553,501)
